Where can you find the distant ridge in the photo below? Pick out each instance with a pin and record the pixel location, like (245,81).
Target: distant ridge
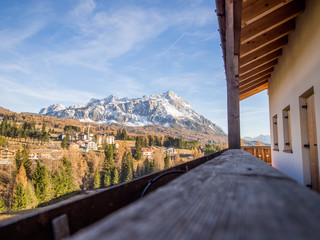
(166,109)
(262,138)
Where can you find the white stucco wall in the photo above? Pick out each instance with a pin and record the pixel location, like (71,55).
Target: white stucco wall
(298,70)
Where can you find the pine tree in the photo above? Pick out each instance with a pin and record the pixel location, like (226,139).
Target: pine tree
(96,182)
(18,160)
(114,176)
(26,161)
(31,199)
(126,170)
(166,161)
(106,178)
(3,142)
(21,176)
(42,184)
(19,198)
(63,180)
(2,205)
(64,143)
(138,153)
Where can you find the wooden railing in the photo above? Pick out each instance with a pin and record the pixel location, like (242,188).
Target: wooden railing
(233,196)
(261,152)
(84,211)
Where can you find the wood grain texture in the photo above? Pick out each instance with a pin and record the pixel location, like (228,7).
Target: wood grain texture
(264,51)
(253,92)
(233,26)
(256,9)
(272,20)
(258,70)
(254,86)
(260,62)
(267,38)
(234,196)
(246,83)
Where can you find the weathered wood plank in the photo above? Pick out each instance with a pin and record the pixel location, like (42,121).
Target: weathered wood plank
(233,27)
(254,86)
(266,38)
(258,76)
(264,51)
(250,93)
(258,70)
(256,9)
(235,196)
(272,20)
(253,65)
(243,86)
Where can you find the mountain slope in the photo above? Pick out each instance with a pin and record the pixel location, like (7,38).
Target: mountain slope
(167,110)
(262,138)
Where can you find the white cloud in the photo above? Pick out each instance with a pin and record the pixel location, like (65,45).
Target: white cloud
(44,92)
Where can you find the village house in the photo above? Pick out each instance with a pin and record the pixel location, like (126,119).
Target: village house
(146,152)
(104,139)
(91,146)
(7,156)
(37,154)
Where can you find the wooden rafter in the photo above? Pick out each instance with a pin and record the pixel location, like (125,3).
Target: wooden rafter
(258,43)
(258,70)
(267,38)
(253,65)
(272,20)
(248,82)
(262,74)
(264,51)
(252,86)
(253,92)
(256,9)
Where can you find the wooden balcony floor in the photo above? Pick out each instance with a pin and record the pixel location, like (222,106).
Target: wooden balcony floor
(233,196)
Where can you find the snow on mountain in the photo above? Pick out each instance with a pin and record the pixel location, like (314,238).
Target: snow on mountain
(52,108)
(262,138)
(166,109)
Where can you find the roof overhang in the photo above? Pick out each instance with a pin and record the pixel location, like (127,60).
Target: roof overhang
(261,29)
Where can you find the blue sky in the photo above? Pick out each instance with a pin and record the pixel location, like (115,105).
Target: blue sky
(70,51)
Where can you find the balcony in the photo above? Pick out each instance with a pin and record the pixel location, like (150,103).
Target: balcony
(261,152)
(229,196)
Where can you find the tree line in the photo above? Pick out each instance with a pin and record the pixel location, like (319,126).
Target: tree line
(33,186)
(26,130)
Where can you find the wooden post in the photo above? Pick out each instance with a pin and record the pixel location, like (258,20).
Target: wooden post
(233,28)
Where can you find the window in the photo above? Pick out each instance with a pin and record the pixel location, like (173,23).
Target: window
(287,130)
(275,133)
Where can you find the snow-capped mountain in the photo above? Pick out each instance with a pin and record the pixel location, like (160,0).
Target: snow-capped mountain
(167,109)
(262,138)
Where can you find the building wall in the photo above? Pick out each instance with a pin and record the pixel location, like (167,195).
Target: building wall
(298,70)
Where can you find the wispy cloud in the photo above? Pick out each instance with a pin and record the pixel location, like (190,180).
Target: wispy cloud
(44,92)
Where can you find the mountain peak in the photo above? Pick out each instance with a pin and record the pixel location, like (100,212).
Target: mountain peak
(166,109)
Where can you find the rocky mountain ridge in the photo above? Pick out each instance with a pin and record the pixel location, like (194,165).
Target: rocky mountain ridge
(166,109)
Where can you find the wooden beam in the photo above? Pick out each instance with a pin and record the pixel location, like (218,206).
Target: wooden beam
(220,5)
(264,51)
(272,20)
(233,28)
(252,86)
(267,38)
(256,9)
(262,74)
(268,58)
(253,80)
(258,70)
(253,92)
(256,85)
